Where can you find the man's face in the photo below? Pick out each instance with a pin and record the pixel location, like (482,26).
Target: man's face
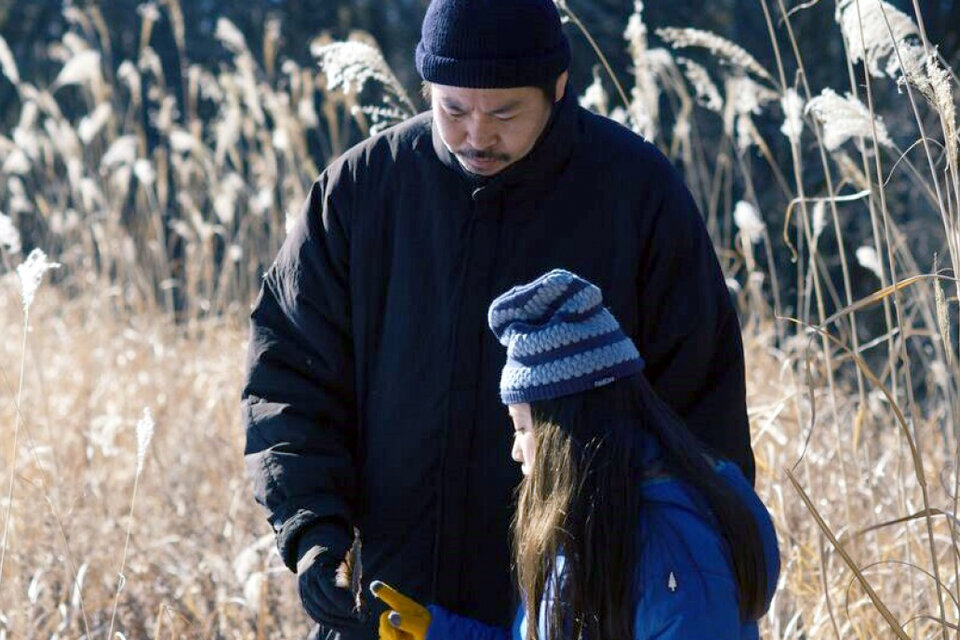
(490,129)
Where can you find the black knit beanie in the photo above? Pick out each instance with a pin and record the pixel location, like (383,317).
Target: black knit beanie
(492,44)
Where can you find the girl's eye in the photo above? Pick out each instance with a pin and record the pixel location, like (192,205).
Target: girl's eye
(505,118)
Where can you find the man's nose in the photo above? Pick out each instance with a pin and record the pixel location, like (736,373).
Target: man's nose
(480,135)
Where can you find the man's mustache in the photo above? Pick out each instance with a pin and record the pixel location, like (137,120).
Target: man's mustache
(474,154)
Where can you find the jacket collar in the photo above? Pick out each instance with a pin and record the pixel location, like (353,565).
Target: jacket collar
(548,156)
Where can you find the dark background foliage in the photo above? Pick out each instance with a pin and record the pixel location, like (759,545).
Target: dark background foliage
(28,27)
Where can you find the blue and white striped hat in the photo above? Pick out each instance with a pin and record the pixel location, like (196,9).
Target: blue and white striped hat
(560,339)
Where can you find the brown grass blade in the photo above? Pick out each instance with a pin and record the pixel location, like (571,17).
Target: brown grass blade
(881,294)
(874,598)
(923,513)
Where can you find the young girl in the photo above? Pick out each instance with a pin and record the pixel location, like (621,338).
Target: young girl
(625,526)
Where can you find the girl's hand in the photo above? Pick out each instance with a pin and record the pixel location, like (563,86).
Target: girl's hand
(407,619)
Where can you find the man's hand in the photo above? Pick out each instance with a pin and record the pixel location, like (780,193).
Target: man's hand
(323,549)
(407,619)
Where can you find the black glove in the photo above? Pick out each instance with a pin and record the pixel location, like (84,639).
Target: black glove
(321,550)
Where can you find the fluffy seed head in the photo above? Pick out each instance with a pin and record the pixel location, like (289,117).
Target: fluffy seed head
(845,117)
(928,76)
(91,124)
(9,235)
(349,65)
(727,51)
(792,105)
(144,171)
(181,141)
(122,152)
(31,273)
(636,32)
(230,36)
(83,68)
(144,435)
(868,259)
(8,65)
(17,163)
(864,24)
(149,11)
(749,222)
(595,97)
(707,93)
(819,218)
(128,72)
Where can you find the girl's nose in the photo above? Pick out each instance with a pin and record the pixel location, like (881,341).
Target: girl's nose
(517,453)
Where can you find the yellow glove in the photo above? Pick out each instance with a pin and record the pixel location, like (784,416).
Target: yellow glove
(407,620)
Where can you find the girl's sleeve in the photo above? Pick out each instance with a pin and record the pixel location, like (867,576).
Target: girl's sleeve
(686,585)
(688,604)
(445,625)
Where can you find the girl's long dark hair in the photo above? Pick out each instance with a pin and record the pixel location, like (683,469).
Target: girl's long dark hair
(583,498)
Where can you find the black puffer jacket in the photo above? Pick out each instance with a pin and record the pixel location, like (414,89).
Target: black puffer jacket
(372,386)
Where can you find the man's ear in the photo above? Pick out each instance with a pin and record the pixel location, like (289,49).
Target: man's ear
(561,88)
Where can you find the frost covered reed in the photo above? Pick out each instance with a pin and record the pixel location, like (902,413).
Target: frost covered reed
(174,184)
(844,118)
(724,50)
(873,29)
(869,260)
(749,222)
(861,142)
(30,273)
(9,235)
(144,432)
(8,66)
(350,65)
(792,105)
(706,91)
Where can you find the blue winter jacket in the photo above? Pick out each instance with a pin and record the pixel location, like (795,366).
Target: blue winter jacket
(685,583)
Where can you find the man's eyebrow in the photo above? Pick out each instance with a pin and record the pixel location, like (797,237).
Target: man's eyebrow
(510,106)
(451,104)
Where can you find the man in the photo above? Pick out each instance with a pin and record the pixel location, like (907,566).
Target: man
(371,397)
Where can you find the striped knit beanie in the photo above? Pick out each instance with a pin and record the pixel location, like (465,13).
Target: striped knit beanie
(560,339)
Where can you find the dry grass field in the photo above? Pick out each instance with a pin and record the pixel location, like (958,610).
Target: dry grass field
(201,561)
(119,522)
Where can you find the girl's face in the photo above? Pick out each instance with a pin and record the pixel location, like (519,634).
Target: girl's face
(524,444)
